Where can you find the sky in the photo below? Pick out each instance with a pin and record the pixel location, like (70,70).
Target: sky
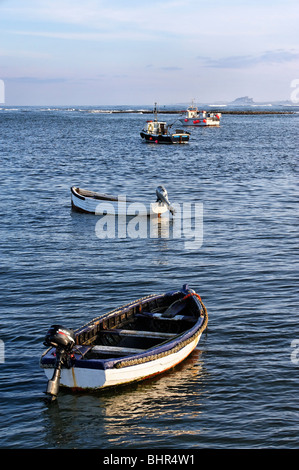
(116,52)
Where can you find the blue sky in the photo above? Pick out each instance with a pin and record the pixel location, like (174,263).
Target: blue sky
(70,52)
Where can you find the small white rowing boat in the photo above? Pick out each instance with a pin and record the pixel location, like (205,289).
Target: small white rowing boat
(92,202)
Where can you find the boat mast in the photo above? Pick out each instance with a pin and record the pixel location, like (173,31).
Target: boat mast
(156,112)
(193,107)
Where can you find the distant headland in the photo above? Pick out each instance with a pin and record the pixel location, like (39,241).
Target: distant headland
(242,101)
(241,105)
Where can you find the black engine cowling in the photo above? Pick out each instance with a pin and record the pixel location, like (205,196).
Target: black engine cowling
(60,337)
(63,340)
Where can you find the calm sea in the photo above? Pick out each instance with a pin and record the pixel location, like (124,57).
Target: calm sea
(239,389)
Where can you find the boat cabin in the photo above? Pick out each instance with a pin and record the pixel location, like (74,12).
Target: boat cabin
(192,112)
(156,127)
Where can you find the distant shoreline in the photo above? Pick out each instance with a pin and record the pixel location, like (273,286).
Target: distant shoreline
(213,111)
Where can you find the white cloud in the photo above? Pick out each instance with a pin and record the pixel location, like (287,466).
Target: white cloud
(85,36)
(188,18)
(275,57)
(195,23)
(75,39)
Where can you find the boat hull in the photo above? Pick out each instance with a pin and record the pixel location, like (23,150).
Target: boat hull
(165,139)
(196,118)
(200,122)
(80,378)
(110,205)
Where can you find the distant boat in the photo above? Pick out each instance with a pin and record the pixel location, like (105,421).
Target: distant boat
(138,340)
(92,202)
(193,117)
(158,132)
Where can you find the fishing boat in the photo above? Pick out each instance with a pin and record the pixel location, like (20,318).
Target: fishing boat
(92,202)
(194,117)
(158,132)
(136,341)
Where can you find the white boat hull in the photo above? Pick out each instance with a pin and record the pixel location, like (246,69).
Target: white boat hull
(77,378)
(199,123)
(141,339)
(194,117)
(116,206)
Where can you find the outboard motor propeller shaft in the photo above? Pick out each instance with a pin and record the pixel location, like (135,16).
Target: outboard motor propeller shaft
(63,340)
(53,384)
(162,196)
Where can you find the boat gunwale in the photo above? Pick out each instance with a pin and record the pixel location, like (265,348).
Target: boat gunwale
(169,346)
(88,194)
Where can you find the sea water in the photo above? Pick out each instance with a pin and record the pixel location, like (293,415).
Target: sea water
(239,388)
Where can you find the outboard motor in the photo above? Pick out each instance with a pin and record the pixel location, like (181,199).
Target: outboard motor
(63,340)
(162,196)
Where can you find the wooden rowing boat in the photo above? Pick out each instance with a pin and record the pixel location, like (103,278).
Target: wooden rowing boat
(143,338)
(92,202)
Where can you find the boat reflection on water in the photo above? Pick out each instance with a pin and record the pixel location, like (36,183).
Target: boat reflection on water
(134,227)
(146,227)
(184,225)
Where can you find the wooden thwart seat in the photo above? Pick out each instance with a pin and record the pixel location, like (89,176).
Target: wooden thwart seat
(163,316)
(103,349)
(116,349)
(141,334)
